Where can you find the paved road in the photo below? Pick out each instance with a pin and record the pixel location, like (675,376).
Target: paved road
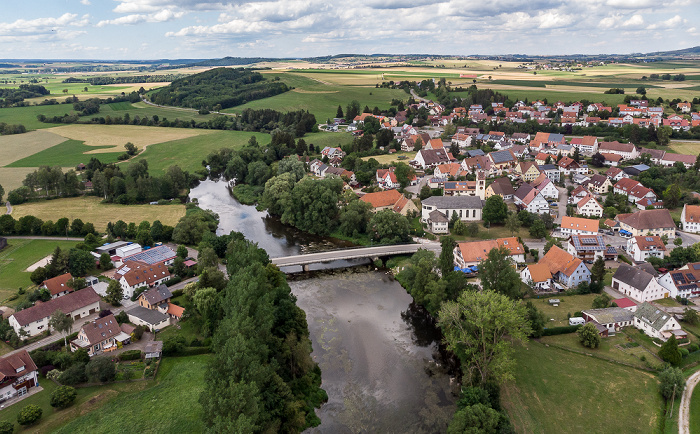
(32,237)
(561,207)
(9,207)
(364,252)
(418,98)
(684,411)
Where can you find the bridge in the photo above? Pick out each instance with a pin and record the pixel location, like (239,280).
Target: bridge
(355,253)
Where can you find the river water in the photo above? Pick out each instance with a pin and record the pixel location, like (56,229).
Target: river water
(377,351)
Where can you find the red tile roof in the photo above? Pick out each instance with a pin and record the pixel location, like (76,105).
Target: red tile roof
(58,284)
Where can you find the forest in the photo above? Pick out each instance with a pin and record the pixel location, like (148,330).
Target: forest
(218,89)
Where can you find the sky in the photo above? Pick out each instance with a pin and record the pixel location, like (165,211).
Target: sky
(172,29)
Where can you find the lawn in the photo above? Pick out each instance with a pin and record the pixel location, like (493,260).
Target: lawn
(20,254)
(169,406)
(556,391)
(568,304)
(67,154)
(492,233)
(687,148)
(90,209)
(393,158)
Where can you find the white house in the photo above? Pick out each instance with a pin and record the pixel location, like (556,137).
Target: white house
(537,275)
(589,207)
(690,218)
(35,320)
(153,319)
(643,247)
(565,268)
(638,283)
(656,323)
(579,226)
(18,374)
(529,198)
(136,274)
(545,186)
(470,253)
(467,208)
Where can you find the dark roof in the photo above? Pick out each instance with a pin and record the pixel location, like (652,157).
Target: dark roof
(150,316)
(544,167)
(10,364)
(157,295)
(651,315)
(502,156)
(438,217)
(433,156)
(152,256)
(650,219)
(609,315)
(523,191)
(153,347)
(102,329)
(66,304)
(503,187)
(633,276)
(454,202)
(475,152)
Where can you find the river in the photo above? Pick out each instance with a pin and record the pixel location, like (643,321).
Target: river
(377,351)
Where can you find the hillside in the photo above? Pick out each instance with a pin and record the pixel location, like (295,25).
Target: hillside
(234,61)
(226,87)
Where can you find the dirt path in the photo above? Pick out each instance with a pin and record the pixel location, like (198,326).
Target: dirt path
(9,207)
(684,411)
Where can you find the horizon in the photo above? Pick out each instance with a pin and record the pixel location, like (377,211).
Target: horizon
(135,30)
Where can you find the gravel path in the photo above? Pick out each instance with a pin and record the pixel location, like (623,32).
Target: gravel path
(684,411)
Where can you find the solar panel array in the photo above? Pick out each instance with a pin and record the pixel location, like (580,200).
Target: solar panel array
(588,243)
(152,256)
(649,239)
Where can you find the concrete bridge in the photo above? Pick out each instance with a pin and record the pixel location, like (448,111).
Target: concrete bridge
(354,253)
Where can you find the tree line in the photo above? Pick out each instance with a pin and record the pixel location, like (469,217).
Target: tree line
(105,80)
(12,96)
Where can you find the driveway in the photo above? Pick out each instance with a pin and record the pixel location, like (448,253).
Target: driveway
(561,204)
(415,189)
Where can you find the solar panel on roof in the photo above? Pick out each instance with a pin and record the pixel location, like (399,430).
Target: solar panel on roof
(689,276)
(649,239)
(696,266)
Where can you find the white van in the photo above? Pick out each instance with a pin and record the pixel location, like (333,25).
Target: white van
(577,320)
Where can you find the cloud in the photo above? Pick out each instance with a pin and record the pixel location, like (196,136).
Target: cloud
(634,21)
(46,25)
(157,17)
(668,24)
(85,2)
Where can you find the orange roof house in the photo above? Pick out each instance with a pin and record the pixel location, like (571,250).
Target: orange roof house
(389,199)
(58,285)
(473,252)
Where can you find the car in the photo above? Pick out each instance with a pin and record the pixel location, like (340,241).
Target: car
(555,204)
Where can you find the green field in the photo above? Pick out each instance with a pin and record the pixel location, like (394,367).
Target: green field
(27,115)
(20,254)
(67,154)
(695,412)
(556,391)
(322,98)
(142,109)
(170,406)
(569,304)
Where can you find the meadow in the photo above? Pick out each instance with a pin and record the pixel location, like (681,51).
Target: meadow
(18,146)
(90,209)
(20,254)
(695,412)
(568,304)
(563,392)
(69,153)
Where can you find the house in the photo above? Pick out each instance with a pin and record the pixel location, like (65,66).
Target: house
(470,253)
(669,160)
(502,160)
(466,188)
(611,159)
(429,158)
(128,250)
(434,144)
(389,199)
(568,166)
(155,297)
(438,223)
(135,274)
(588,248)
(154,320)
(589,207)
(635,170)
(578,194)
(690,218)
(448,170)
(625,150)
(153,256)
(651,221)
(467,208)
(332,152)
(528,170)
(588,144)
(615,174)
(529,198)
(684,107)
(546,187)
(642,247)
(500,187)
(579,226)
(541,158)
(638,283)
(153,350)
(565,268)
(612,318)
(634,190)
(656,323)
(655,155)
(35,320)
(551,170)
(537,275)
(18,374)
(58,285)
(386,178)
(625,303)
(100,335)
(599,184)
(683,282)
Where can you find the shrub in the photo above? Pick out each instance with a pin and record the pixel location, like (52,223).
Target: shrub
(73,375)
(130,355)
(684,352)
(63,397)
(101,369)
(46,369)
(6,427)
(173,346)
(29,414)
(53,375)
(122,317)
(693,347)
(138,332)
(588,335)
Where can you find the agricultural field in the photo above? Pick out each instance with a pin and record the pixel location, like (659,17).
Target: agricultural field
(563,392)
(90,209)
(20,254)
(688,148)
(18,146)
(171,405)
(68,154)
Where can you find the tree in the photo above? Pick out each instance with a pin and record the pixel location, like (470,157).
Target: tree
(354,218)
(477,418)
(691,316)
(498,273)
(537,320)
(101,369)
(2,193)
(601,301)
(670,353)
(495,210)
(131,149)
(472,230)
(663,135)
(182,252)
(80,262)
(551,243)
(29,414)
(588,336)
(106,262)
(598,270)
(7,427)
(447,256)
(62,323)
(291,165)
(425,192)
(597,160)
(115,293)
(339,112)
(678,241)
(389,227)
(641,90)
(75,374)
(63,396)
(671,383)
(475,329)
(538,229)
(672,195)
(513,223)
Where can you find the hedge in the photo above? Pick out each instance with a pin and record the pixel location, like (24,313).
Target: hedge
(560,330)
(130,355)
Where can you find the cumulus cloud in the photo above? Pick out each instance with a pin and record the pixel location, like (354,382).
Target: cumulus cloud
(46,25)
(85,2)
(668,24)
(634,20)
(157,17)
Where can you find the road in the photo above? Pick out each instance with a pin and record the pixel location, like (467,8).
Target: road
(364,252)
(561,207)
(684,410)
(9,207)
(38,237)
(418,98)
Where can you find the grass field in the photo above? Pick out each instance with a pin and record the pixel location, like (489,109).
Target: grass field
(18,146)
(695,412)
(70,153)
(569,304)
(169,406)
(393,158)
(556,391)
(20,254)
(688,148)
(90,209)
(27,115)
(12,177)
